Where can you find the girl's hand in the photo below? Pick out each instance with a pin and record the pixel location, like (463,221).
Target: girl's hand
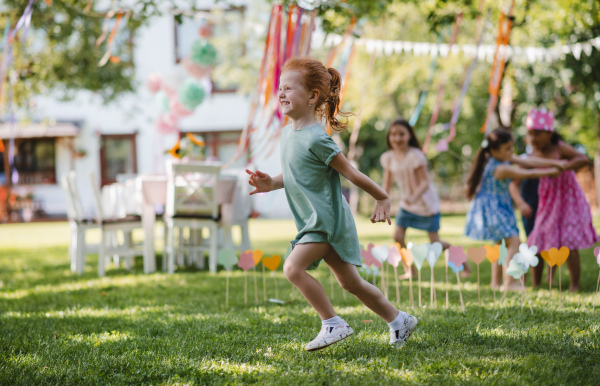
(261,181)
(562,164)
(381,213)
(525,210)
(555,172)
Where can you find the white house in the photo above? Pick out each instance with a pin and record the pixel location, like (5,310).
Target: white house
(121,138)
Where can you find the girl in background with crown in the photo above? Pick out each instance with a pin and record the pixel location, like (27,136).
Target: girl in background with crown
(563,217)
(491,215)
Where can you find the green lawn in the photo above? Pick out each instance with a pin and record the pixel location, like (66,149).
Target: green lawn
(127,327)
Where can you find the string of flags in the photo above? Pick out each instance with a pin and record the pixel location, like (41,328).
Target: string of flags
(531,54)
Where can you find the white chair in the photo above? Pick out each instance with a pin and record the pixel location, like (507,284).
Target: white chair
(78,248)
(192,202)
(109,227)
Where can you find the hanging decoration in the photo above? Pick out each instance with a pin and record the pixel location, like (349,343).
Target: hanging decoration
(504,28)
(440,92)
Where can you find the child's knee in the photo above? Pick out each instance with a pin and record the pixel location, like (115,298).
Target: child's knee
(351,286)
(291,270)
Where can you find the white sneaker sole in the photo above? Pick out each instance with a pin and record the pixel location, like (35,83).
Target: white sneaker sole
(329,343)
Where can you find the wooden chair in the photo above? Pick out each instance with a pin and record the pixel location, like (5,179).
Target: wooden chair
(237,213)
(109,227)
(78,247)
(192,202)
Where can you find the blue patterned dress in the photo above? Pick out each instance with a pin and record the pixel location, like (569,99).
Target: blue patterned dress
(491,215)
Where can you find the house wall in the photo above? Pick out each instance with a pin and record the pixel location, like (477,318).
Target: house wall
(154,51)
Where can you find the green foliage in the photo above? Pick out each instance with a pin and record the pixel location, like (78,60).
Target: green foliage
(128,327)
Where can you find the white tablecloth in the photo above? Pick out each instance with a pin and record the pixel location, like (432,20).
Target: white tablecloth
(143,194)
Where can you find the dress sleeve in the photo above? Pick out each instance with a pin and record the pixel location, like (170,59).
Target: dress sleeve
(418,159)
(324,148)
(385,160)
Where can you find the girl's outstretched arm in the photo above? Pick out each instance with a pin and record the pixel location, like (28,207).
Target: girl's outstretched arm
(505,171)
(537,162)
(515,193)
(381,212)
(574,159)
(263,182)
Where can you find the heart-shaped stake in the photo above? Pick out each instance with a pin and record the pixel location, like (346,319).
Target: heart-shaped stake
(420,253)
(227,258)
(408,259)
(381,253)
(257,257)
(246,262)
(435,250)
(271,263)
(597,254)
(492,253)
(558,257)
(477,255)
(456,259)
(394,259)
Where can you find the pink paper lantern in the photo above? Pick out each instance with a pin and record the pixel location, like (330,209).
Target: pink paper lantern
(195,70)
(177,108)
(154,83)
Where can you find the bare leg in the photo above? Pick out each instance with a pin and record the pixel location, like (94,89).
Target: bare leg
(496,275)
(294,269)
(537,273)
(512,245)
(434,236)
(399,234)
(574,270)
(348,277)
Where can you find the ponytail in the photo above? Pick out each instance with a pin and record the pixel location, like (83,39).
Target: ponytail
(492,141)
(476,173)
(332,102)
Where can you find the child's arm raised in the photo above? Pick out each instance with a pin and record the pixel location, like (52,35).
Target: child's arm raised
(263,182)
(537,162)
(575,159)
(381,212)
(505,171)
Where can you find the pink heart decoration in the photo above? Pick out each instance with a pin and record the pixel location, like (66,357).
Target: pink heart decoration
(477,255)
(394,258)
(369,258)
(456,255)
(246,261)
(597,254)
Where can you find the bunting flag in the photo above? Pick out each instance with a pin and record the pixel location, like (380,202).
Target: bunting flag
(504,28)
(288,35)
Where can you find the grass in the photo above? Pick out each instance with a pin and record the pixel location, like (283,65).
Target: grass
(59,328)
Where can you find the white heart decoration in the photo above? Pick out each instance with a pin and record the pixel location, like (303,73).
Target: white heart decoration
(381,252)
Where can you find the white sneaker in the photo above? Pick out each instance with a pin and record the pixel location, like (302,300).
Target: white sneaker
(328,336)
(399,337)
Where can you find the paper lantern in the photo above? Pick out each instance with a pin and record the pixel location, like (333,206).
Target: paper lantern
(191,94)
(154,83)
(195,70)
(162,100)
(203,53)
(177,108)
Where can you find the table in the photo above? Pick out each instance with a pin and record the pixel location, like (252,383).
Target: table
(142,194)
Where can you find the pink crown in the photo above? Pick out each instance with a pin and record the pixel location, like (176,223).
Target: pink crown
(541,119)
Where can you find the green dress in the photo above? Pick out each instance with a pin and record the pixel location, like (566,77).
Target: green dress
(314,192)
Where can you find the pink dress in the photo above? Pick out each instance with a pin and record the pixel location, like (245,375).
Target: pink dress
(563,217)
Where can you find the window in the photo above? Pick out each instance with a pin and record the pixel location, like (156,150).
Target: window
(117,156)
(35,161)
(227,35)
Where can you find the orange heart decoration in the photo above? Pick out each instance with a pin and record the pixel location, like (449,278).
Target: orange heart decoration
(557,256)
(477,255)
(272,262)
(492,252)
(257,256)
(406,256)
(546,256)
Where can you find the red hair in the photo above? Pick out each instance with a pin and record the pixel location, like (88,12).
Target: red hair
(328,82)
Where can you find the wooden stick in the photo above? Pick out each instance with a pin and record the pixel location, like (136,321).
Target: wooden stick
(419,287)
(559,286)
(478,287)
(446,260)
(246,287)
(276,289)
(227,290)
(431,288)
(526,295)
(412,296)
(398,289)
(460,293)
(264,283)
(255,286)
(598,292)
(494,291)
(550,283)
